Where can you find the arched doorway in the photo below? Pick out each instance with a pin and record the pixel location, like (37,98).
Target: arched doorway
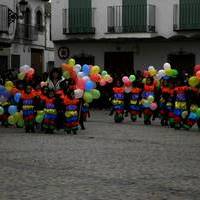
(27,23)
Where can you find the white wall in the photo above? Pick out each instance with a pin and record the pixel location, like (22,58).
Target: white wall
(145,53)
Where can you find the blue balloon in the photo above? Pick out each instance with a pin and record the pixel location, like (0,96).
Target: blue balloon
(86,69)
(2,89)
(12,110)
(17,97)
(89,85)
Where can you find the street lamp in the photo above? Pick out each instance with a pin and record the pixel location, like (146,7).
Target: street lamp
(12,16)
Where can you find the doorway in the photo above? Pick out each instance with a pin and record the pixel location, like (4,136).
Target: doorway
(37,59)
(119,63)
(184,63)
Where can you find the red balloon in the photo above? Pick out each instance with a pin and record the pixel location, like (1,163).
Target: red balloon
(197,68)
(198,74)
(80,83)
(95,77)
(146,74)
(128,83)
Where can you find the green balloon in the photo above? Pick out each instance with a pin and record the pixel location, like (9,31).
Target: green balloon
(193,81)
(66,75)
(198,112)
(1,110)
(39,118)
(104,73)
(132,78)
(88,97)
(95,94)
(20,123)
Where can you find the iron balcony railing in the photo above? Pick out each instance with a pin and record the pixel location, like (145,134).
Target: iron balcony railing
(186,16)
(4,27)
(131,19)
(78,21)
(26,32)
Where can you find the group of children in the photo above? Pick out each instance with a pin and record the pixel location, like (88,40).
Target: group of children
(171,99)
(45,108)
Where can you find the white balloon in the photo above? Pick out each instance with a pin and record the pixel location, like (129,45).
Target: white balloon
(78,93)
(167,66)
(80,74)
(24,68)
(161,73)
(151,68)
(77,68)
(86,78)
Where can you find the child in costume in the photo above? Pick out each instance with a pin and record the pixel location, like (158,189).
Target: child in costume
(149,91)
(28,107)
(166,101)
(180,102)
(135,102)
(71,120)
(50,110)
(118,103)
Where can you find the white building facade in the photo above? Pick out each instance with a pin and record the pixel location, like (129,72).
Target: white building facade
(28,39)
(127,35)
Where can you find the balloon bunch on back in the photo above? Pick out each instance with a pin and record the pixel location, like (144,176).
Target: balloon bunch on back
(195,80)
(167,71)
(5,92)
(128,82)
(26,72)
(86,77)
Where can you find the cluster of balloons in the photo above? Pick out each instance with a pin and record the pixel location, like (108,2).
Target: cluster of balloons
(26,71)
(166,71)
(195,80)
(15,117)
(149,103)
(86,77)
(4,93)
(128,82)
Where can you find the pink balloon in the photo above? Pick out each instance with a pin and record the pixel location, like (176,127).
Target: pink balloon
(153,106)
(197,68)
(80,83)
(198,74)
(102,82)
(125,79)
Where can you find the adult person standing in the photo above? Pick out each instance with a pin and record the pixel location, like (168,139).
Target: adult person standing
(55,78)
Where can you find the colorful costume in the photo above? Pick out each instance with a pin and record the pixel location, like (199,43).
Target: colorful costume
(50,117)
(149,90)
(118,104)
(71,114)
(28,108)
(135,107)
(180,105)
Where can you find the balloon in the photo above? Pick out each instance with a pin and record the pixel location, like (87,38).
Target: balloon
(87,97)
(166,66)
(2,89)
(103,73)
(145,103)
(169,72)
(110,80)
(150,99)
(24,68)
(66,75)
(89,85)
(9,84)
(193,81)
(67,67)
(106,77)
(152,72)
(174,72)
(77,68)
(17,97)
(198,112)
(150,68)
(12,120)
(20,123)
(81,74)
(21,76)
(95,70)
(193,108)
(86,78)
(197,68)
(80,83)
(95,77)
(184,114)
(71,62)
(132,78)
(153,106)
(39,118)
(125,79)
(146,74)
(31,71)
(198,75)
(161,73)
(128,83)
(78,93)
(86,69)
(12,110)
(1,110)
(17,116)
(95,94)
(102,82)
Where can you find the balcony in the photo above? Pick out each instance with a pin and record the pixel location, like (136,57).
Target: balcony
(4,27)
(78,21)
(131,19)
(26,32)
(186,17)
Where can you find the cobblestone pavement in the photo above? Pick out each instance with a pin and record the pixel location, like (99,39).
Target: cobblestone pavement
(107,161)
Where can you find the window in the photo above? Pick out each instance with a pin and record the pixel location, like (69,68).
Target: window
(39,22)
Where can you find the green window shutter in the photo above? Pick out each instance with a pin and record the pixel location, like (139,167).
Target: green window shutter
(134,17)
(189,14)
(80,16)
